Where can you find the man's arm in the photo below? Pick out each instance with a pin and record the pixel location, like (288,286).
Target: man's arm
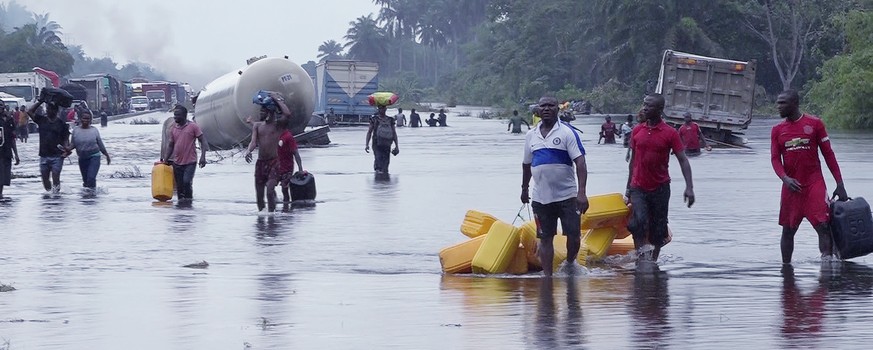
(369,135)
(15,151)
(582,179)
(204,146)
(298,159)
(31,112)
(831,160)
(702,138)
(525,182)
(685,165)
(281,102)
(776,162)
(253,143)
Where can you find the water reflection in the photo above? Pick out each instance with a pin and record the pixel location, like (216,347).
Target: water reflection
(648,306)
(545,336)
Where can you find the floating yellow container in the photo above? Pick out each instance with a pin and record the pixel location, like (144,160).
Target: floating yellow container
(604,210)
(162,182)
(598,240)
(518,266)
(528,232)
(476,223)
(497,250)
(459,257)
(621,246)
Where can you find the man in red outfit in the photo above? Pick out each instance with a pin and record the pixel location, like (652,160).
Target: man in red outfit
(692,137)
(794,147)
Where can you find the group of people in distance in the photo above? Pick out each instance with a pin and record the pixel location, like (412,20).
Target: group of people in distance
(415,120)
(554,158)
(56,143)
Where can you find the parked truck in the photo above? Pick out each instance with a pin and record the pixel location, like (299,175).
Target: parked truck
(164,95)
(104,92)
(719,93)
(25,85)
(344,85)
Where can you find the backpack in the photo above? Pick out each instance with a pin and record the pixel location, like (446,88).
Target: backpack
(384,133)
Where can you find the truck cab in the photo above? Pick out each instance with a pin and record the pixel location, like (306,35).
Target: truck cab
(139,103)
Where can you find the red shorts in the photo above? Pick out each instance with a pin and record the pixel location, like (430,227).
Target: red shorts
(810,203)
(265,170)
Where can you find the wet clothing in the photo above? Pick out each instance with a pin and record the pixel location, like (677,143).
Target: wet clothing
(651,147)
(608,132)
(414,120)
(51,164)
(401,119)
(432,122)
(648,222)
(690,135)
(794,148)
(287,147)
(546,217)
(626,130)
(551,159)
(266,170)
(184,177)
(7,137)
(5,171)
(183,138)
(382,156)
(88,167)
(442,119)
(52,133)
(87,142)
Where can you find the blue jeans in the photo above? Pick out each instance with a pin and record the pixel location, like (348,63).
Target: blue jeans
(184,178)
(89,166)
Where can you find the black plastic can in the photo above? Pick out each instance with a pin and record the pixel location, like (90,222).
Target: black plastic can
(852,227)
(302,186)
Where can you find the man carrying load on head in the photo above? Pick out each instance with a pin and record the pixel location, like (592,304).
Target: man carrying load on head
(551,151)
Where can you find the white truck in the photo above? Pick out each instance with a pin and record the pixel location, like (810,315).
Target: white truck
(25,85)
(719,93)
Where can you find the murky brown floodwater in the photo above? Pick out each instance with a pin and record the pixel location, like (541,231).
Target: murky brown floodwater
(361,270)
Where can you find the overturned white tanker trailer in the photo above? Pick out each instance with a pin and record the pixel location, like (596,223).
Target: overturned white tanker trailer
(222,107)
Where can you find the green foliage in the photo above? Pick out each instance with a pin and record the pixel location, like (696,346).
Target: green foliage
(843,95)
(31,46)
(405,85)
(614,97)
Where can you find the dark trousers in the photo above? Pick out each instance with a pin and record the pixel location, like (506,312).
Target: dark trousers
(184,177)
(89,166)
(648,221)
(383,157)
(547,216)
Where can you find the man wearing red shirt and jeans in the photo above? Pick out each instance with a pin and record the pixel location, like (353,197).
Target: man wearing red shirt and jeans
(692,137)
(794,147)
(648,188)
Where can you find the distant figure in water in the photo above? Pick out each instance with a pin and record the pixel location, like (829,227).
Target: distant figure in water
(625,130)
(382,132)
(515,122)
(692,137)
(432,121)
(648,185)
(442,117)
(266,135)
(608,131)
(794,147)
(414,119)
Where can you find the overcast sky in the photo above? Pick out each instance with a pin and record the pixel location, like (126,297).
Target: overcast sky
(199,40)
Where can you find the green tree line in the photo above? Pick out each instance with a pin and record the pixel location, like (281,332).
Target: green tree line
(506,51)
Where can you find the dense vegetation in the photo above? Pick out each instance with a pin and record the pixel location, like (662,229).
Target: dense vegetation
(505,51)
(30,40)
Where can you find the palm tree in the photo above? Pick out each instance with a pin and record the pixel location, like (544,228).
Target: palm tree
(330,50)
(366,40)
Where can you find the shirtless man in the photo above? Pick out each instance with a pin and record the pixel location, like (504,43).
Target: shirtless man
(265,136)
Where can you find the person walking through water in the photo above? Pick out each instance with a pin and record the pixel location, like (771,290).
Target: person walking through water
(288,155)
(432,121)
(414,119)
(8,149)
(794,147)
(551,150)
(692,137)
(442,117)
(626,129)
(21,120)
(54,140)
(266,136)
(383,134)
(648,183)
(181,140)
(88,145)
(608,131)
(400,118)
(515,122)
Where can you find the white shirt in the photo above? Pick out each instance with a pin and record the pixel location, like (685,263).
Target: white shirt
(551,159)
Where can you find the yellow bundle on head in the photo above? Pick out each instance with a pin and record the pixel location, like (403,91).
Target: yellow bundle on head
(383,98)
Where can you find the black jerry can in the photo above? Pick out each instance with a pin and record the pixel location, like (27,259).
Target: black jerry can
(852,226)
(302,186)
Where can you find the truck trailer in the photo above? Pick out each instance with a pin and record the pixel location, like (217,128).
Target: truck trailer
(344,85)
(25,85)
(719,93)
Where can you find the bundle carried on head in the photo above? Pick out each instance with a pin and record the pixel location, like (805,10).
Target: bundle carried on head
(57,97)
(384,98)
(264,99)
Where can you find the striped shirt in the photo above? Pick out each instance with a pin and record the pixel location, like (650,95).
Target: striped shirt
(551,159)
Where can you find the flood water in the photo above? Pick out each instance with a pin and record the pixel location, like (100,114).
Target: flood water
(360,269)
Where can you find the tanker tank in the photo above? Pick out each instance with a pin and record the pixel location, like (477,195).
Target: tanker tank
(224,104)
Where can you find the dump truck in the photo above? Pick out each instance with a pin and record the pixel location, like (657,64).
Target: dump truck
(719,93)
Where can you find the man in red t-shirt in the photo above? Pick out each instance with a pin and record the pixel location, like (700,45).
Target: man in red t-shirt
(794,147)
(288,154)
(692,137)
(648,183)
(608,130)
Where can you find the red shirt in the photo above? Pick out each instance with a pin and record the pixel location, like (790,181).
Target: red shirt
(690,135)
(651,147)
(794,148)
(287,146)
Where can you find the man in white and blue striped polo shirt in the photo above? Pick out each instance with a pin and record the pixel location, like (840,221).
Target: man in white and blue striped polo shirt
(551,150)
